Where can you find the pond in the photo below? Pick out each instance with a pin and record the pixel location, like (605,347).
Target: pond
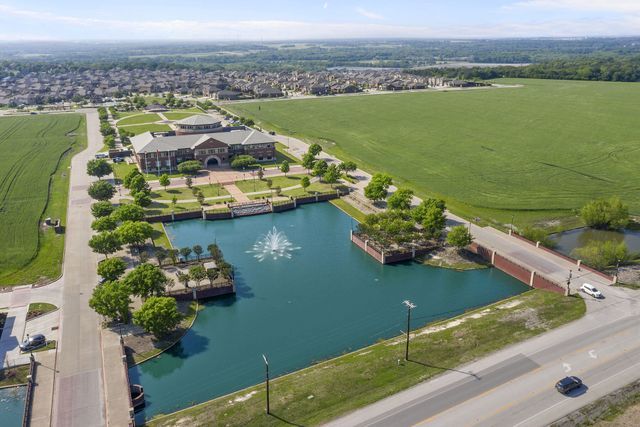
(304,295)
(569,240)
(12,405)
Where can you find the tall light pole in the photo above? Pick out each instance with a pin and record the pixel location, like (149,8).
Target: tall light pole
(266,366)
(410,306)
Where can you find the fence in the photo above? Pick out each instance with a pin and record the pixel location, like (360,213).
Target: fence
(387,257)
(578,263)
(28,400)
(123,355)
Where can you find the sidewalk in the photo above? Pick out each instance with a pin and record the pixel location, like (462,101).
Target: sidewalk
(42,402)
(235,192)
(116,385)
(12,336)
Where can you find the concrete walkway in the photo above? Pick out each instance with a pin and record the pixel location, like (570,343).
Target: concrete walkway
(42,392)
(116,380)
(235,192)
(12,336)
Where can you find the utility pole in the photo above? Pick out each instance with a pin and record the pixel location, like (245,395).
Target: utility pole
(266,366)
(410,306)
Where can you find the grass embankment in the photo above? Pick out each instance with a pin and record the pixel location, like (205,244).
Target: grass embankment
(335,387)
(34,184)
(159,236)
(14,376)
(120,170)
(189,316)
(251,185)
(39,308)
(490,153)
(149,127)
(51,345)
(349,209)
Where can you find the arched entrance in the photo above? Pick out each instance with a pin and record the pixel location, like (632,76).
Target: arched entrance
(212,162)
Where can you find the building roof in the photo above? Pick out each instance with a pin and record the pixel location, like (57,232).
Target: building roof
(198,120)
(148,143)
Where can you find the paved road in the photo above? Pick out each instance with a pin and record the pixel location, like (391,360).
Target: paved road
(514,387)
(79,395)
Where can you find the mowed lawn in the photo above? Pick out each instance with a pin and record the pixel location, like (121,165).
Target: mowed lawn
(35,152)
(139,119)
(544,147)
(149,127)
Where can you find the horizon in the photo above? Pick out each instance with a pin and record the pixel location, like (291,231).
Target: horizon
(286,20)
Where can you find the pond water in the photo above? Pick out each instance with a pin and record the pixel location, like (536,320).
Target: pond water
(569,240)
(12,405)
(305,294)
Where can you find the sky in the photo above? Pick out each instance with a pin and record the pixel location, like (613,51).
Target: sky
(255,20)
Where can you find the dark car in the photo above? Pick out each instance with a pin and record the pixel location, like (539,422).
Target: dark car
(32,342)
(568,384)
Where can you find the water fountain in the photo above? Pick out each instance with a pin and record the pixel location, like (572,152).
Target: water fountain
(273,244)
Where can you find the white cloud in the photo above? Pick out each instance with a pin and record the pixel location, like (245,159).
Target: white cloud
(325,5)
(368,14)
(619,6)
(64,27)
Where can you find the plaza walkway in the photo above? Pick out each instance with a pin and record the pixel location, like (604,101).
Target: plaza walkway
(235,192)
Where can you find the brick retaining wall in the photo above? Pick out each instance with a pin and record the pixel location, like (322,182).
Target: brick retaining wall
(511,268)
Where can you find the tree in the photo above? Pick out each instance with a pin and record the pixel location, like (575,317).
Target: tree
(105,223)
(138,184)
(98,168)
(319,168)
(142,199)
(214,251)
(129,212)
(284,167)
(331,175)
(111,299)
(173,255)
(164,181)
(459,237)
(134,232)
(197,274)
(158,316)
(419,212)
(314,149)
(197,249)
(183,278)
(305,182)
(307,161)
(600,255)
(260,173)
(185,252)
(105,243)
(110,141)
(190,167)
(225,270)
(200,198)
(111,269)
(174,201)
(161,254)
(378,186)
(145,280)
(348,167)
(242,161)
(101,209)
(607,214)
(212,274)
(101,190)
(433,222)
(127,179)
(189,182)
(401,199)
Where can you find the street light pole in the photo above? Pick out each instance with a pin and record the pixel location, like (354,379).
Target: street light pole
(266,366)
(410,306)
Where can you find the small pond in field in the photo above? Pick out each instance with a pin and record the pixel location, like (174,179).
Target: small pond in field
(12,406)
(569,240)
(304,293)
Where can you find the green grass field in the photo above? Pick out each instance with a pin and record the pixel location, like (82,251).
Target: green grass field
(179,115)
(185,193)
(139,119)
(149,127)
(34,181)
(251,185)
(536,151)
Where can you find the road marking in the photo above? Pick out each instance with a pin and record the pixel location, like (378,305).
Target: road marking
(592,354)
(537,392)
(566,367)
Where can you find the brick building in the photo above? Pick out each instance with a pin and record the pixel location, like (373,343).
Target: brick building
(155,153)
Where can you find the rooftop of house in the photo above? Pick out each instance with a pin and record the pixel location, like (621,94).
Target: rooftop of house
(198,120)
(149,143)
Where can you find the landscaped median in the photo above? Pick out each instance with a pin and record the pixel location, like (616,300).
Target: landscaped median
(332,388)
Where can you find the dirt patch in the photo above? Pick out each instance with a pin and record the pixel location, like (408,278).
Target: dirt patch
(528,315)
(450,257)
(629,274)
(628,419)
